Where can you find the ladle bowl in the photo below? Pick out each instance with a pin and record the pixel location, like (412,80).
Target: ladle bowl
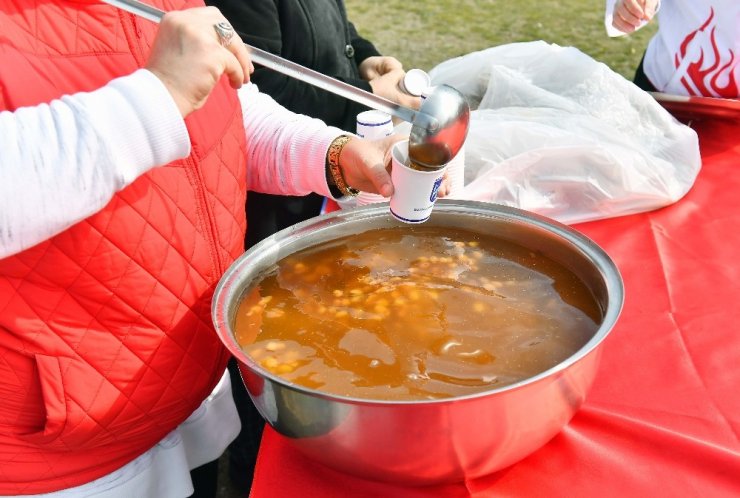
(432,148)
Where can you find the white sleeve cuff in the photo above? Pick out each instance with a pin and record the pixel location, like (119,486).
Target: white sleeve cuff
(286,151)
(314,149)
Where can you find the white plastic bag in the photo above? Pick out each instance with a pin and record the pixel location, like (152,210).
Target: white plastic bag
(555,132)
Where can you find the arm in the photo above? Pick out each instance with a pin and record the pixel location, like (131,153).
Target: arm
(286,152)
(62,162)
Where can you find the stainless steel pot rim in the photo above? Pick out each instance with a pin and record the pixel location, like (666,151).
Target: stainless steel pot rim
(609,271)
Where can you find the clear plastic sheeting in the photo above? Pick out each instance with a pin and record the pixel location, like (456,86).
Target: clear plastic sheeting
(555,132)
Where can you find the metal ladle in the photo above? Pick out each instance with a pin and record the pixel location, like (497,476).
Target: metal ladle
(439,127)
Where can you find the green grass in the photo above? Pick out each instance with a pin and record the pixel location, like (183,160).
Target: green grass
(424,33)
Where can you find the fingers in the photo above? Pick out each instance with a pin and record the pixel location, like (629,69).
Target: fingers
(389,87)
(245,61)
(234,71)
(241,67)
(380,178)
(632,11)
(384,183)
(188,56)
(629,14)
(621,24)
(369,68)
(445,187)
(375,162)
(376,66)
(651,6)
(365,164)
(238,64)
(390,64)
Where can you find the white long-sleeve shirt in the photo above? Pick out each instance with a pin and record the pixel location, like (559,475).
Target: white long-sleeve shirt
(62,162)
(696,50)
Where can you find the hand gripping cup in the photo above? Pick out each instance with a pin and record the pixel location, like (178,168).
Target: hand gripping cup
(372,125)
(415,190)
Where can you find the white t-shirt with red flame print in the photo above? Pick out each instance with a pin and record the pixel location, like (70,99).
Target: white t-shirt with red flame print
(696,50)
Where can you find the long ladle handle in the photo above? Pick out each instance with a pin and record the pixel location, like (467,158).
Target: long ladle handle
(302,73)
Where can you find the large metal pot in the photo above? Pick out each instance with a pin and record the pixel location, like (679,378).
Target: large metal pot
(424,442)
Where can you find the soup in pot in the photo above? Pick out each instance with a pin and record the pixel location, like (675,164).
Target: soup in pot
(414,313)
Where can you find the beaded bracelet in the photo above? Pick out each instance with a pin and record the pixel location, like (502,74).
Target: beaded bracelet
(332,163)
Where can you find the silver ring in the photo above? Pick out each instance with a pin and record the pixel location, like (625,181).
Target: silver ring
(225,33)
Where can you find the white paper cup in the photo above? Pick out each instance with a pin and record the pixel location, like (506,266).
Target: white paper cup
(373,125)
(414,191)
(415,82)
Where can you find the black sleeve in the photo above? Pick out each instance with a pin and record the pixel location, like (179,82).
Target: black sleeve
(258,21)
(363,48)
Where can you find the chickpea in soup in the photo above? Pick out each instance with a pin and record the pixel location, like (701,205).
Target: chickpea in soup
(414,313)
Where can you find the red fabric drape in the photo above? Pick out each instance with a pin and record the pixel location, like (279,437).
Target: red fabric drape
(663,417)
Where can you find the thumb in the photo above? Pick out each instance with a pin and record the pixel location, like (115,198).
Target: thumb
(381,179)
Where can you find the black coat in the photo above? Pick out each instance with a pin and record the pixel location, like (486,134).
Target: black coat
(313,33)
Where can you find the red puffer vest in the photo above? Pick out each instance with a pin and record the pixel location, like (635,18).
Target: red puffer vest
(106,341)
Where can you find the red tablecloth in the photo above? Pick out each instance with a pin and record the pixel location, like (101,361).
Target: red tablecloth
(663,416)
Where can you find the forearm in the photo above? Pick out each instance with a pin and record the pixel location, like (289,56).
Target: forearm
(286,152)
(62,162)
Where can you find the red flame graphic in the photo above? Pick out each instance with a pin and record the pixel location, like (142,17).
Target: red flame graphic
(703,81)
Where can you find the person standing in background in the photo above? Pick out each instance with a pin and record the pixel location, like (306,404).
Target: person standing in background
(696,50)
(315,34)
(318,35)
